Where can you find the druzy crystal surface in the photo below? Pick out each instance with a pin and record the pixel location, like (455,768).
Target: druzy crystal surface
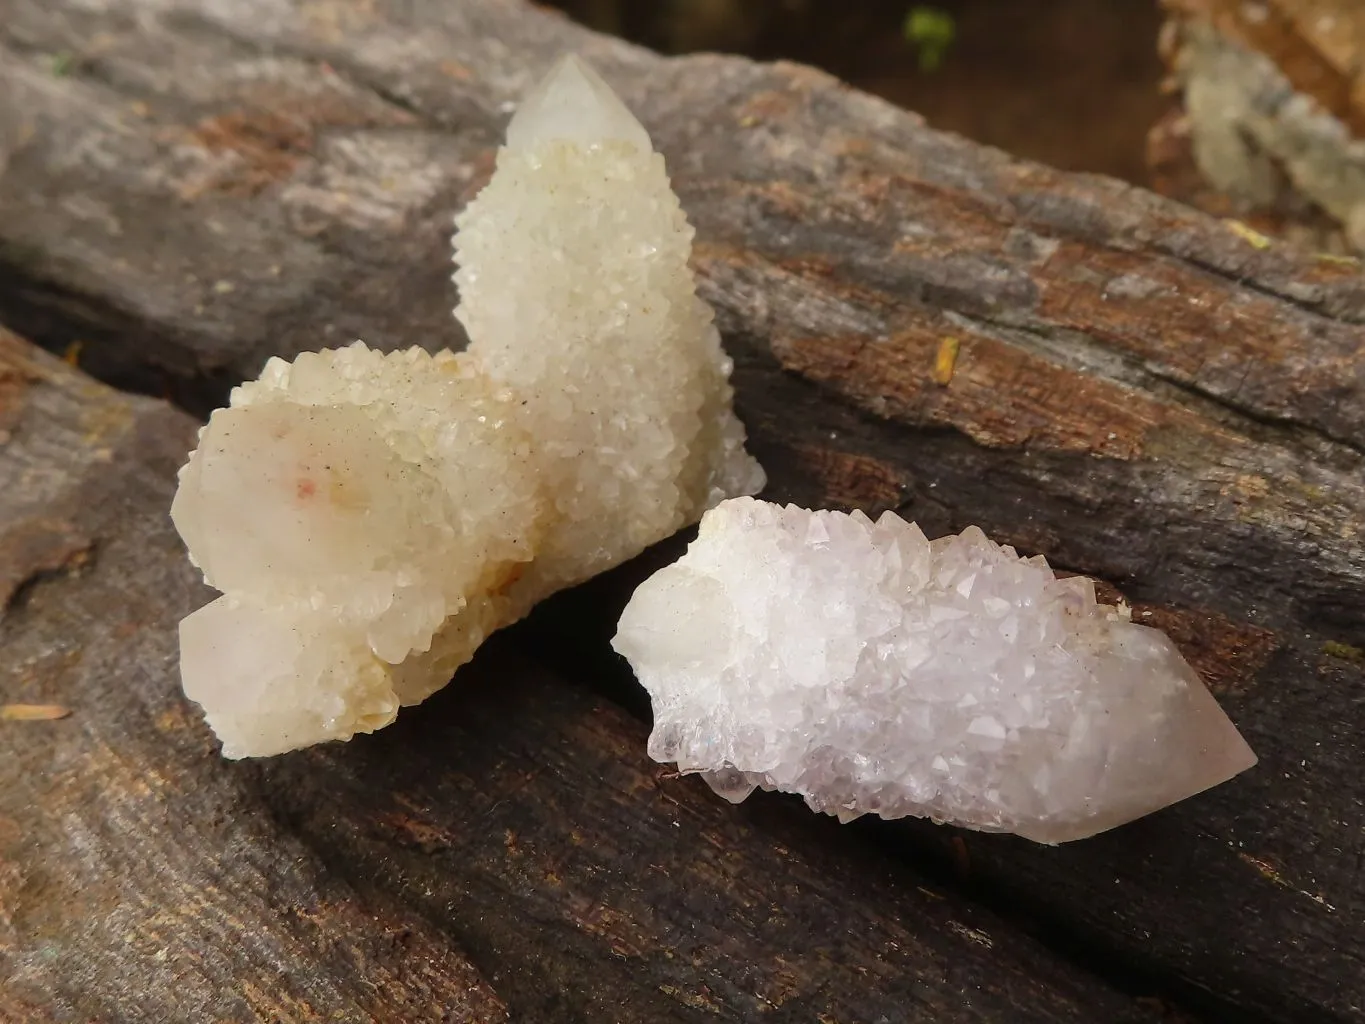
(873,671)
(371,518)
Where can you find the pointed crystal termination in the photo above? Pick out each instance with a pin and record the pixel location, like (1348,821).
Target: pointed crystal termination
(872,671)
(573,104)
(371,518)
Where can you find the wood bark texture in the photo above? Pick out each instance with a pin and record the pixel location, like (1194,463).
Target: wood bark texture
(1141,392)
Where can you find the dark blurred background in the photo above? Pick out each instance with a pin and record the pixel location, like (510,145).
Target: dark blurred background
(1073,83)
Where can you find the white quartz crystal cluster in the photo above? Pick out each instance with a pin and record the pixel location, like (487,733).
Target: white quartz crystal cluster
(370,518)
(873,671)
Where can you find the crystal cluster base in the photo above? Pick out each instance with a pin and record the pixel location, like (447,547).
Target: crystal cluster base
(371,518)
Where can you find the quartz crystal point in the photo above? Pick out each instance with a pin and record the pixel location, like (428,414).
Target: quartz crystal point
(873,671)
(370,518)
(575,287)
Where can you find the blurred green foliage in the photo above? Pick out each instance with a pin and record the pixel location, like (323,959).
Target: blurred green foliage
(932,31)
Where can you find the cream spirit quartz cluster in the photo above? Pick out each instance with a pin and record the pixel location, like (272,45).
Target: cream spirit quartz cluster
(875,672)
(370,518)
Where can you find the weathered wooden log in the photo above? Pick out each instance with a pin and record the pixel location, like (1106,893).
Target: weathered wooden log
(143,878)
(1084,369)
